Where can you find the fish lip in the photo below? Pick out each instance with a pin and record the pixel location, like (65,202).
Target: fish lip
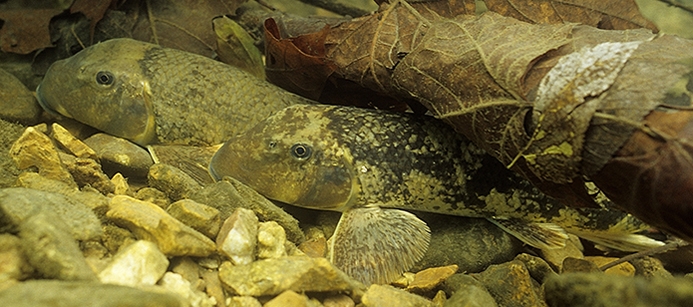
(43,103)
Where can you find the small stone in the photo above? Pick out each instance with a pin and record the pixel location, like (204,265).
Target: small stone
(338,300)
(556,256)
(87,171)
(120,156)
(229,194)
(315,247)
(404,280)
(19,204)
(243,301)
(178,285)
(120,185)
(97,202)
(35,149)
(574,265)
(624,268)
(51,249)
(115,237)
(385,295)
(213,286)
(271,240)
(139,264)
(439,299)
(77,294)
(172,181)
(13,264)
(467,291)
(237,238)
(72,144)
(430,278)
(276,275)
(291,298)
(17,103)
(149,222)
(202,218)
(587,290)
(510,285)
(539,269)
(153,196)
(650,267)
(187,268)
(9,133)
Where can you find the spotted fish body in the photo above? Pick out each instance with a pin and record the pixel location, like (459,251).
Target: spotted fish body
(368,164)
(150,94)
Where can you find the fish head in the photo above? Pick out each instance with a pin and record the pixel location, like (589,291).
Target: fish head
(103,86)
(290,157)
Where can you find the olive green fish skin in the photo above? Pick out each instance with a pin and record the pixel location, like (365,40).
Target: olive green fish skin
(361,157)
(158,95)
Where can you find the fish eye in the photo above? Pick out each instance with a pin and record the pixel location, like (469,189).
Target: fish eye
(301,151)
(104,78)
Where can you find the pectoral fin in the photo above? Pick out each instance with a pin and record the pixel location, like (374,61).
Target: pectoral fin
(539,235)
(375,245)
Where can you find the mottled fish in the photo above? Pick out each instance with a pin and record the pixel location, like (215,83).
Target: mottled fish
(368,164)
(150,94)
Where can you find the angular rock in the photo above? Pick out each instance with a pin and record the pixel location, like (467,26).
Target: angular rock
(430,278)
(97,202)
(511,285)
(202,218)
(291,298)
(153,196)
(120,185)
(114,237)
(187,268)
(539,269)
(237,238)
(467,291)
(595,290)
(120,156)
(574,265)
(650,267)
(35,149)
(178,285)
(51,249)
(271,240)
(138,264)
(213,286)
(86,171)
(296,273)
(149,222)
(9,133)
(172,181)
(471,243)
(338,300)
(13,264)
(385,295)
(314,247)
(17,103)
(19,204)
(624,268)
(72,144)
(229,194)
(78,294)
(244,301)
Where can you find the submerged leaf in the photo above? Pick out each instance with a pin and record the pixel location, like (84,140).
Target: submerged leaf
(235,46)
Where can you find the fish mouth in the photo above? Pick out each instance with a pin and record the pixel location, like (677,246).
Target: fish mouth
(43,103)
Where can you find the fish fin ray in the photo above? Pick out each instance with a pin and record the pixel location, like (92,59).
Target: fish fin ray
(375,245)
(626,242)
(539,235)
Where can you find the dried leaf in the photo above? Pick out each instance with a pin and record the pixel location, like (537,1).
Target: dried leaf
(26,30)
(235,47)
(610,15)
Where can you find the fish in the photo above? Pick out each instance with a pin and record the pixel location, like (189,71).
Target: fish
(149,94)
(377,167)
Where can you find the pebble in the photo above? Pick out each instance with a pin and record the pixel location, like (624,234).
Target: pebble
(72,144)
(291,298)
(97,202)
(120,185)
(35,149)
(192,160)
(385,295)
(202,218)
(539,269)
(120,155)
(17,103)
(187,268)
(153,196)
(138,264)
(624,268)
(177,284)
(19,204)
(86,171)
(13,264)
(511,285)
(9,133)
(229,194)
(467,291)
(430,278)
(338,300)
(78,294)
(573,265)
(471,243)
(271,240)
(213,286)
(650,267)
(237,238)
(149,222)
(172,181)
(595,290)
(51,249)
(276,275)
(243,301)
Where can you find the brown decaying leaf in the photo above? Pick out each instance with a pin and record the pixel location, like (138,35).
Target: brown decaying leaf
(297,64)
(609,15)
(26,30)
(93,10)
